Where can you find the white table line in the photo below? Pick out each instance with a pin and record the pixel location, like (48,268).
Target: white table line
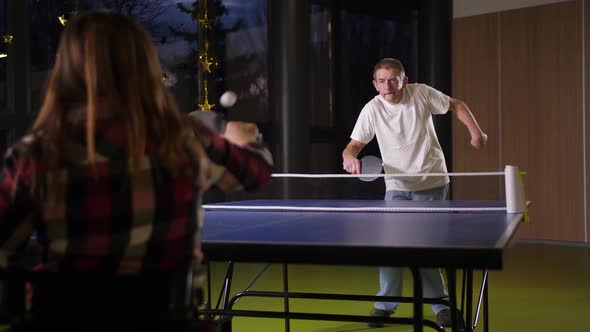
(390,175)
(351,209)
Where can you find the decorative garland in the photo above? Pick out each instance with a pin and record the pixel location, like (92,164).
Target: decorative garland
(205,59)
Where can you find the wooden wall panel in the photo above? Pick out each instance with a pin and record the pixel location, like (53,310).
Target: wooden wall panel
(521,73)
(475,81)
(541,114)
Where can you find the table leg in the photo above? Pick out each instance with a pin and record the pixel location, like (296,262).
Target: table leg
(227,284)
(418,301)
(486,317)
(286,297)
(452,285)
(469,302)
(225,322)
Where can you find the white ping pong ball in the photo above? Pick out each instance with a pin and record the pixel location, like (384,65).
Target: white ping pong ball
(228,99)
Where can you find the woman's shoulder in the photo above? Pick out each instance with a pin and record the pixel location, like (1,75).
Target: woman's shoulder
(28,146)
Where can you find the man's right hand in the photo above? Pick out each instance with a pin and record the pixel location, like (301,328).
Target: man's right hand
(349,161)
(352,165)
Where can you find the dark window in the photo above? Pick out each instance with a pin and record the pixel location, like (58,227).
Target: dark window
(4,45)
(3,141)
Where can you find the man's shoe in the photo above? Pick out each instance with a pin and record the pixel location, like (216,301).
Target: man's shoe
(379,313)
(443,318)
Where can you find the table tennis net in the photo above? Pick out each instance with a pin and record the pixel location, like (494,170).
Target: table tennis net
(468,188)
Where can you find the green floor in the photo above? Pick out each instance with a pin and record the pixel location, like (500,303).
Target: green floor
(543,287)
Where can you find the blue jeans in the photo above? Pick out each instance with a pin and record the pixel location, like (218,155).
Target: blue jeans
(390,278)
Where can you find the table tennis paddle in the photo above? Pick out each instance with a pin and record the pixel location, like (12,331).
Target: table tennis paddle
(216,122)
(213,120)
(370,165)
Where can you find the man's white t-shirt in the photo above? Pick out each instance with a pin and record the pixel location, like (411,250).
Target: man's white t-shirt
(406,136)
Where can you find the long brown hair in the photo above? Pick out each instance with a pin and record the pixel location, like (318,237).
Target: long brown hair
(107,62)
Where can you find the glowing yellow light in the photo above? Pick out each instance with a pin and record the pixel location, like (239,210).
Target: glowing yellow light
(205,22)
(206,63)
(62,20)
(7,39)
(206,106)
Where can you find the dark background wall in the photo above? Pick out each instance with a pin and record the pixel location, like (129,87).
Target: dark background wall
(321,78)
(523,72)
(311,61)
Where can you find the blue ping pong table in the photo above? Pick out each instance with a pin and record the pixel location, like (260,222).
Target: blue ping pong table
(467,235)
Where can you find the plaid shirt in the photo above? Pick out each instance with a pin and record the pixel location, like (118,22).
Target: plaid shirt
(107,218)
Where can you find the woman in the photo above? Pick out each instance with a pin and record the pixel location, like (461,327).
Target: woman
(110,177)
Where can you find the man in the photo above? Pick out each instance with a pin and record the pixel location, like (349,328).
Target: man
(400,116)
